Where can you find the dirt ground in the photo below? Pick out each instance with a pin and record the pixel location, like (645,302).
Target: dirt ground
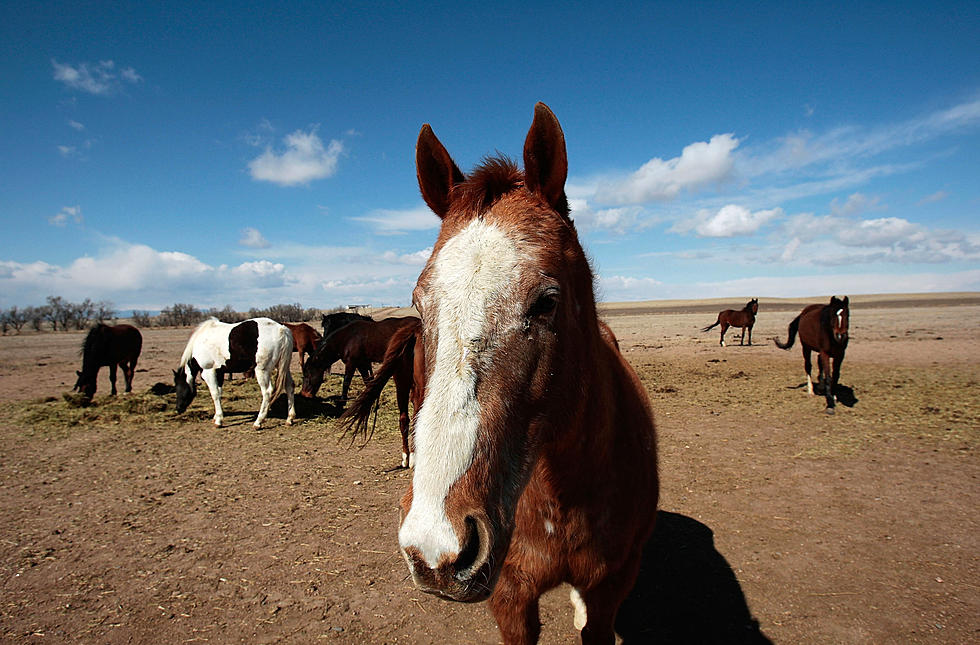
(123,523)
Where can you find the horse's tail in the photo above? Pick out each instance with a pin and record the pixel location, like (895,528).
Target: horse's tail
(401,348)
(285,357)
(793,328)
(715,324)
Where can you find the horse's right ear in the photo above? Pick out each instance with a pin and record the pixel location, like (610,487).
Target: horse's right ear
(436,171)
(77,373)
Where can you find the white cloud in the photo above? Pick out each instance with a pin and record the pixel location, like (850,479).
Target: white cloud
(418,258)
(730,220)
(304,159)
(68,151)
(699,164)
(885,231)
(95,78)
(937,196)
(616,220)
(620,287)
(387,221)
(253,239)
(855,204)
(75,125)
(67,214)
(818,285)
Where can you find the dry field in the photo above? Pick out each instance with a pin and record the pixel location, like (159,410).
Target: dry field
(123,523)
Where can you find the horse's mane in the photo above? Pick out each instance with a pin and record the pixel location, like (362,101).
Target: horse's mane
(189,349)
(491,180)
(93,340)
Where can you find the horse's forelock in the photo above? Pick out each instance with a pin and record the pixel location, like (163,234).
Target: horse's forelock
(491,180)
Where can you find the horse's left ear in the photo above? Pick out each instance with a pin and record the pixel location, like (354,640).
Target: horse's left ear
(436,171)
(845,301)
(545,159)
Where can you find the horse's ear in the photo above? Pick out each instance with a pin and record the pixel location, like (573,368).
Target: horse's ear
(77,373)
(437,172)
(545,159)
(845,301)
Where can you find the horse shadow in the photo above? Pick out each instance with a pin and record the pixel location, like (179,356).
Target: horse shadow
(845,394)
(307,408)
(686,591)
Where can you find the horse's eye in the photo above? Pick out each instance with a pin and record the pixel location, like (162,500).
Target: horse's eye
(545,305)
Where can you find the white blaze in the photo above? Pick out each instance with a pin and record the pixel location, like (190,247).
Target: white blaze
(471,270)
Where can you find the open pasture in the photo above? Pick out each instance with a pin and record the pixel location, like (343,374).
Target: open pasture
(124,523)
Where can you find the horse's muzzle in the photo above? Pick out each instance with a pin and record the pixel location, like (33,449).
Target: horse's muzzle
(462,577)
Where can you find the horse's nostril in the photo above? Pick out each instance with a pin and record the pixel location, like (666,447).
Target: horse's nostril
(474,551)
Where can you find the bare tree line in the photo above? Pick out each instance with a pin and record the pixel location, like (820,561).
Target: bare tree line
(60,315)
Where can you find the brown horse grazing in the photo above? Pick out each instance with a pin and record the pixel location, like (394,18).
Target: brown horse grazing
(305,339)
(535,449)
(404,361)
(822,329)
(358,344)
(117,345)
(731,318)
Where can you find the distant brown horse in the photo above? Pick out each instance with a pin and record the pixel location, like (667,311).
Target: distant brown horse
(117,345)
(535,449)
(731,318)
(304,340)
(405,361)
(333,322)
(822,329)
(358,344)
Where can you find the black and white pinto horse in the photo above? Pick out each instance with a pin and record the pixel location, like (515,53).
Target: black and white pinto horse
(216,348)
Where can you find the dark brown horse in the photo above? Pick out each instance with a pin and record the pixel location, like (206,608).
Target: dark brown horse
(731,318)
(333,322)
(305,339)
(358,344)
(404,361)
(117,345)
(822,329)
(535,450)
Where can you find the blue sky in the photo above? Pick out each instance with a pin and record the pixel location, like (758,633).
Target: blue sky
(252,154)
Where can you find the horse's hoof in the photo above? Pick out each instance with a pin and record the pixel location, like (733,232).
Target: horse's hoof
(830,410)
(289,422)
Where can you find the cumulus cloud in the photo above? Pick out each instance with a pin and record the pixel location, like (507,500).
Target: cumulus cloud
(253,239)
(65,215)
(418,258)
(100,78)
(303,160)
(616,220)
(621,287)
(699,164)
(387,221)
(728,221)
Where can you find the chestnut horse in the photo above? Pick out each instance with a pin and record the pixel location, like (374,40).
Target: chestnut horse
(305,339)
(731,318)
(112,345)
(404,361)
(822,329)
(358,344)
(535,449)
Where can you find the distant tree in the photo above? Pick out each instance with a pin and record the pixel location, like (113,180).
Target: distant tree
(228,314)
(103,311)
(59,312)
(4,322)
(81,313)
(36,316)
(142,318)
(18,318)
(180,315)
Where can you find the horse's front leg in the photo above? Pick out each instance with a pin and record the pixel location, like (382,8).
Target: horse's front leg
(348,377)
(515,608)
(402,390)
(214,387)
(825,381)
(836,375)
(129,370)
(112,377)
(741,341)
(602,603)
(750,335)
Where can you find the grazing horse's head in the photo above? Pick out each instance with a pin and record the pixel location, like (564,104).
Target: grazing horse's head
(312,377)
(506,288)
(85,385)
(838,318)
(185,383)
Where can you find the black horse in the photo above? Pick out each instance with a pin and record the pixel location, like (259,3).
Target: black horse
(117,345)
(333,322)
